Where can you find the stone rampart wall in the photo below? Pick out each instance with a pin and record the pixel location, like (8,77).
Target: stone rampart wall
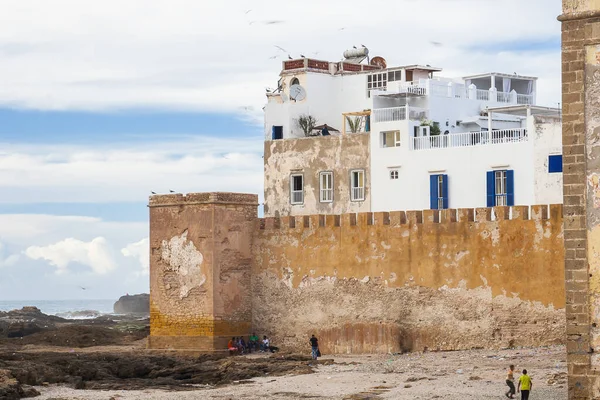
(379,282)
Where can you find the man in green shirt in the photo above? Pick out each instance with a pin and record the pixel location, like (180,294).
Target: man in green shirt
(525,385)
(253,342)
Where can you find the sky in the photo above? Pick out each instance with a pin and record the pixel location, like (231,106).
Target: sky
(102,102)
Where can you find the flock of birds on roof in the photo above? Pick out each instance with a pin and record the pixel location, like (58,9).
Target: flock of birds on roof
(170,191)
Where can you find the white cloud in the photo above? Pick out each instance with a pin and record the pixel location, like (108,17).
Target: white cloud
(7,260)
(140,251)
(66,173)
(95,254)
(198,55)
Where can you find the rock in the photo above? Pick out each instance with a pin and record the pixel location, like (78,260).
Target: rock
(10,389)
(136,304)
(26,321)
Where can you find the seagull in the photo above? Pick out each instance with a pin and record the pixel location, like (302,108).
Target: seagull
(436,44)
(171,191)
(290,57)
(82,288)
(341,29)
(268,90)
(363,45)
(353,47)
(247,11)
(153,192)
(273,22)
(272,58)
(302,55)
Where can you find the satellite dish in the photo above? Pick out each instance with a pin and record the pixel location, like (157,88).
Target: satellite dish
(379,61)
(297,93)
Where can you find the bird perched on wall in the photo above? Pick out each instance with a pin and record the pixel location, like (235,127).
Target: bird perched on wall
(153,192)
(302,55)
(363,45)
(171,191)
(290,57)
(353,47)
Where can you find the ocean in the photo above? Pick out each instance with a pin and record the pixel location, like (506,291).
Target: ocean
(64,308)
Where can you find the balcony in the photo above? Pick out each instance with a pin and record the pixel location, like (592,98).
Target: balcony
(469,139)
(392,114)
(444,88)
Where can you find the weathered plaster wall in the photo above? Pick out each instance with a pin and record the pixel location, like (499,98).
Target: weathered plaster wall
(309,156)
(400,281)
(200,266)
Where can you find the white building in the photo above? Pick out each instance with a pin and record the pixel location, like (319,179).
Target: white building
(433,142)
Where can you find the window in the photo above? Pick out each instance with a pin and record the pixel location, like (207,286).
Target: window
(500,188)
(297,189)
(377,81)
(555,163)
(391,138)
(326,187)
(393,174)
(277,132)
(438,192)
(294,81)
(357,185)
(394,76)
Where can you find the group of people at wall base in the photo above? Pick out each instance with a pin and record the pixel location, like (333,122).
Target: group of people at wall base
(237,345)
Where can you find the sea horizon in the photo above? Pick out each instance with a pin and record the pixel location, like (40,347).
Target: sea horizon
(61,307)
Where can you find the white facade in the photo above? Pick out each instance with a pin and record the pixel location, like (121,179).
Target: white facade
(486,123)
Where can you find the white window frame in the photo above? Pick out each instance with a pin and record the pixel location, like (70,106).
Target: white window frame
(326,193)
(394,173)
(296,196)
(396,141)
(377,81)
(501,194)
(357,193)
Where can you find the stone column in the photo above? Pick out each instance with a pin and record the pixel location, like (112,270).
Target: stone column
(581,173)
(200,266)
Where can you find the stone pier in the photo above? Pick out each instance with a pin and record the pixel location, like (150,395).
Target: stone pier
(581,158)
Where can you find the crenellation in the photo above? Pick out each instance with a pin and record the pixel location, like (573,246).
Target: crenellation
(483,214)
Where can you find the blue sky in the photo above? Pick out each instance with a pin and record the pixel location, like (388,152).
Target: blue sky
(101,105)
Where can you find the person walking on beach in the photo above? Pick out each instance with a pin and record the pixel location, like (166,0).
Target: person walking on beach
(314,342)
(510,381)
(525,385)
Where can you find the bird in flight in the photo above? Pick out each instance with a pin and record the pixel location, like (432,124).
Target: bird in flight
(436,44)
(272,58)
(273,22)
(82,288)
(247,11)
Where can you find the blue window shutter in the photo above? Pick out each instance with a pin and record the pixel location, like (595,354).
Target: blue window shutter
(510,187)
(491,189)
(433,192)
(445,190)
(555,163)
(273,135)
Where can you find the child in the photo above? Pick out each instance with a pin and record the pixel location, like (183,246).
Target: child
(525,385)
(510,381)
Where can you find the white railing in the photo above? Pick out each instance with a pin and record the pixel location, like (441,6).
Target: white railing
(297,196)
(526,99)
(358,193)
(503,97)
(416,87)
(483,95)
(470,139)
(389,114)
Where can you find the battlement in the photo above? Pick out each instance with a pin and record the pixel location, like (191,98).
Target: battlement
(397,218)
(177,199)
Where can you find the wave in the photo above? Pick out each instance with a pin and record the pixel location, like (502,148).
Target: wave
(85,314)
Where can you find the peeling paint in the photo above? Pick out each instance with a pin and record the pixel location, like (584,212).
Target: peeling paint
(186,261)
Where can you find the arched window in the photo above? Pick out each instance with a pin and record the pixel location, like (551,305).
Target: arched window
(294,81)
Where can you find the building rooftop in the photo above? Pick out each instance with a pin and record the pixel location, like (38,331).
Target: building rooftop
(500,75)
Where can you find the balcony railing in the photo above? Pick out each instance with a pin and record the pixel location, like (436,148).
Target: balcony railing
(526,99)
(470,139)
(392,114)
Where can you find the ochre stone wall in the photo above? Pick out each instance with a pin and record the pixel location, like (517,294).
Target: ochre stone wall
(406,281)
(363,283)
(200,269)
